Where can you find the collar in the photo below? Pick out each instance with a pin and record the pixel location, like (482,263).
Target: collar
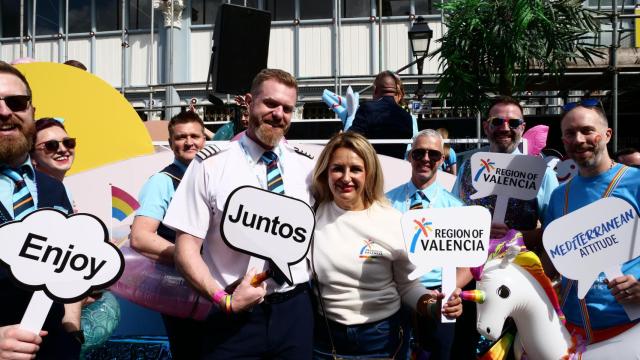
(180,164)
(255,151)
(431,192)
(516,151)
(31,172)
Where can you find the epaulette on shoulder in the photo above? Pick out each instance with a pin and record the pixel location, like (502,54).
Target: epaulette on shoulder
(302,152)
(208,151)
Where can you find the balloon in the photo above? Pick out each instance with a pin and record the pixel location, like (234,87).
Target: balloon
(345,107)
(159,287)
(99,319)
(536,139)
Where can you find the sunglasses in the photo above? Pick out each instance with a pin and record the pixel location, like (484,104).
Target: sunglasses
(433,155)
(498,121)
(588,103)
(17,102)
(54,145)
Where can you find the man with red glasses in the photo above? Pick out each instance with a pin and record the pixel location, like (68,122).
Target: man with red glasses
(423,192)
(585,134)
(19,184)
(503,127)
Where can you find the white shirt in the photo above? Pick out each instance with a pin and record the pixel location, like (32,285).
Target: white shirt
(362,264)
(199,201)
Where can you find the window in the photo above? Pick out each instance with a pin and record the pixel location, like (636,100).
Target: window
(356,8)
(247,3)
(204,11)
(79,16)
(425,7)
(140,14)
(108,15)
(10,15)
(280,9)
(395,7)
(47,17)
(318,9)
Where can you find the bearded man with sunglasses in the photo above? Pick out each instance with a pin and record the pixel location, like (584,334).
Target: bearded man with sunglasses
(422,192)
(503,127)
(585,134)
(19,184)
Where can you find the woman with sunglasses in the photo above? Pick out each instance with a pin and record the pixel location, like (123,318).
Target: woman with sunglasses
(54,151)
(359,259)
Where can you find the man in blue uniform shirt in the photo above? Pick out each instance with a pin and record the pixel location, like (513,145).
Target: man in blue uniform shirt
(151,238)
(423,192)
(585,134)
(23,190)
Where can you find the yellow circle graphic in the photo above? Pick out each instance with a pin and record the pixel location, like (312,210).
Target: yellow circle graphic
(107,127)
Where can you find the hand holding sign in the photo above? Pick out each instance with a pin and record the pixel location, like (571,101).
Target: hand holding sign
(597,238)
(507,176)
(437,238)
(280,232)
(61,257)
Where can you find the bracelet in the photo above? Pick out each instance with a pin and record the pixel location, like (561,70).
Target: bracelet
(227,304)
(218,296)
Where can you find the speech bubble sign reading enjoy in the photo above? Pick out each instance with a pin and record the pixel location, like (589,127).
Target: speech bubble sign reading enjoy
(507,176)
(60,257)
(269,226)
(437,238)
(597,238)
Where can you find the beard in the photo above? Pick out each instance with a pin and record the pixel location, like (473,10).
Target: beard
(12,148)
(589,162)
(266,133)
(503,146)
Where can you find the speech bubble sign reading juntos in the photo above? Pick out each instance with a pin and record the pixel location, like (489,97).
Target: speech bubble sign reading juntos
(597,238)
(507,176)
(437,238)
(59,257)
(269,226)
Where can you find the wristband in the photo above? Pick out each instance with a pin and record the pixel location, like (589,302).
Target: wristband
(218,296)
(227,304)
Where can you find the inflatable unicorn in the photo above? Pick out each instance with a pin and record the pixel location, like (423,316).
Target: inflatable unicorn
(515,286)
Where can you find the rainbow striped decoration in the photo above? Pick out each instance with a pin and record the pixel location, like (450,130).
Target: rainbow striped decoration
(477,296)
(122,204)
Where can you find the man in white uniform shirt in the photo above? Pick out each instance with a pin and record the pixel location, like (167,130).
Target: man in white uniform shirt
(269,320)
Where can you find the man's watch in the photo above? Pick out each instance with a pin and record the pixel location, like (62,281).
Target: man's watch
(78,335)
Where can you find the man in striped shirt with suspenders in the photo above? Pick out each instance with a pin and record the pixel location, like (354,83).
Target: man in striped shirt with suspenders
(585,134)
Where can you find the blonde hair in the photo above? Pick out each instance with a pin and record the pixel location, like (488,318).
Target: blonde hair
(445,145)
(374,180)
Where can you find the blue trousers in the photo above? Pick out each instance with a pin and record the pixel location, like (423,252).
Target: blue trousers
(386,338)
(281,330)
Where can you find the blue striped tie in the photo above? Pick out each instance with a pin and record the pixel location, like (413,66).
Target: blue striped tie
(22,201)
(276,185)
(417,199)
(274,177)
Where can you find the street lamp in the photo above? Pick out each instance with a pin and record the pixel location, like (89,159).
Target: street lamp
(420,36)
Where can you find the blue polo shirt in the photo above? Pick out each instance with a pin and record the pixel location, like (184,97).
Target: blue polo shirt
(156,194)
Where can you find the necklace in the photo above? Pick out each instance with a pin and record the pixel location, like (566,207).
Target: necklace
(612,163)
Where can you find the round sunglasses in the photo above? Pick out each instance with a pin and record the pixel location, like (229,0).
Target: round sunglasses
(16,102)
(433,155)
(54,145)
(496,121)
